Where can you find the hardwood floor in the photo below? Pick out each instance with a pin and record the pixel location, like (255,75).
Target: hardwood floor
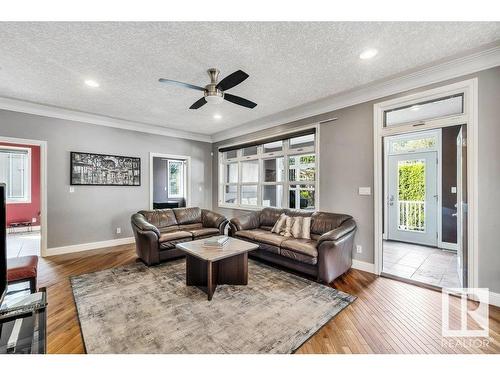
(388,316)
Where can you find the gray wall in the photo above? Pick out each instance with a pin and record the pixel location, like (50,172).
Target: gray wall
(346,163)
(92,213)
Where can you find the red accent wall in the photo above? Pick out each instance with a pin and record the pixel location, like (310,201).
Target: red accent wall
(27,211)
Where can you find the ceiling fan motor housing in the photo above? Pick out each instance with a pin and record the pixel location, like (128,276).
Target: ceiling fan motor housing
(212,94)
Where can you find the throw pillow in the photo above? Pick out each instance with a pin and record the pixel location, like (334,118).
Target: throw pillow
(279,226)
(298,227)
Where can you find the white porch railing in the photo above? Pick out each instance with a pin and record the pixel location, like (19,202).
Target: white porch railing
(412,215)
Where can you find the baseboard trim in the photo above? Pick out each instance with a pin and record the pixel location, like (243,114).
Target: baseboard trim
(88,246)
(23,229)
(495,299)
(363,266)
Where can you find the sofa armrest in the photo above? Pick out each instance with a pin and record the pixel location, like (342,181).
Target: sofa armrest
(245,222)
(211,219)
(140,222)
(335,251)
(335,234)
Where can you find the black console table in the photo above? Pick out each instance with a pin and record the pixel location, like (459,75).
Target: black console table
(23,323)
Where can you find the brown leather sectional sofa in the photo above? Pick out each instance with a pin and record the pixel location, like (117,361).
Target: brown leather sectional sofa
(327,255)
(157,231)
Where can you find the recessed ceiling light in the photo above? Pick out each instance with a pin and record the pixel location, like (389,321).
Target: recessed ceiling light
(91,83)
(217,116)
(368,54)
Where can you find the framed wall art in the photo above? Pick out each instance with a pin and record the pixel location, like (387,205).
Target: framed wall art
(104,170)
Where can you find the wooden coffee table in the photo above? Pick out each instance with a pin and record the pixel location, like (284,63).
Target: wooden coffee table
(206,267)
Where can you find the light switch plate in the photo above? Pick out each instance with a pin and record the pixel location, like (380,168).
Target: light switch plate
(71,189)
(365,190)
(453,189)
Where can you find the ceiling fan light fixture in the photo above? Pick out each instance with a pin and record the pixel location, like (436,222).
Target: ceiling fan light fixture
(214,99)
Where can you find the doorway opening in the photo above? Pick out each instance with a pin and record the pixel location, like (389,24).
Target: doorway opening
(20,170)
(424,173)
(169,181)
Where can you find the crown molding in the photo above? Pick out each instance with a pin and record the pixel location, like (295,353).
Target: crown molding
(469,64)
(89,118)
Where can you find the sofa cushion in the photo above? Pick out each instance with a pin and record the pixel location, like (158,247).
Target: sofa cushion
(187,215)
(295,212)
(170,245)
(175,235)
(299,257)
(266,227)
(269,238)
(269,248)
(323,222)
(172,228)
(190,227)
(202,232)
(306,247)
(250,233)
(269,216)
(160,218)
(166,218)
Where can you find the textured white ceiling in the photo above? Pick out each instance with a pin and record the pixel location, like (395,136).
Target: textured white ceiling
(289,64)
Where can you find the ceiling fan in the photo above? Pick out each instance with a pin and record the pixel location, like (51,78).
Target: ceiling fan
(215,92)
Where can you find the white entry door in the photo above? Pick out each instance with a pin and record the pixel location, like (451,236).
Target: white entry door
(412,198)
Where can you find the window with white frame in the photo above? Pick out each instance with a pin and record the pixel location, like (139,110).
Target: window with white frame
(175,178)
(277,173)
(15,173)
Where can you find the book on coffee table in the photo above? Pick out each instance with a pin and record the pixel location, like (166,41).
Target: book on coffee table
(215,241)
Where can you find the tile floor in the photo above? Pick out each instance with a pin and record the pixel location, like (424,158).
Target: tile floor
(421,263)
(24,243)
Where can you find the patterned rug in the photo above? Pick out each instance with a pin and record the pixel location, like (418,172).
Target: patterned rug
(139,309)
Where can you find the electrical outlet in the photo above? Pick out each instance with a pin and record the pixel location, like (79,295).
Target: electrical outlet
(33,219)
(71,189)
(359,249)
(118,230)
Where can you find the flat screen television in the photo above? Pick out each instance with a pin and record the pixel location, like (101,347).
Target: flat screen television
(3,243)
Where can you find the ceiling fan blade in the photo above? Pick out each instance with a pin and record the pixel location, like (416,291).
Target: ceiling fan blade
(232,80)
(183,84)
(198,103)
(239,100)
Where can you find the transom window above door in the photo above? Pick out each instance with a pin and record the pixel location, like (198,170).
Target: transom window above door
(427,110)
(277,172)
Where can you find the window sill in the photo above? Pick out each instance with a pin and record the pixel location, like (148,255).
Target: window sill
(18,202)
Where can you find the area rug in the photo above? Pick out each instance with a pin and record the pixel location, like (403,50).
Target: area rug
(139,309)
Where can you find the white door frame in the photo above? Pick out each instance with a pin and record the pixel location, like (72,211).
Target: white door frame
(187,182)
(469,88)
(43,184)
